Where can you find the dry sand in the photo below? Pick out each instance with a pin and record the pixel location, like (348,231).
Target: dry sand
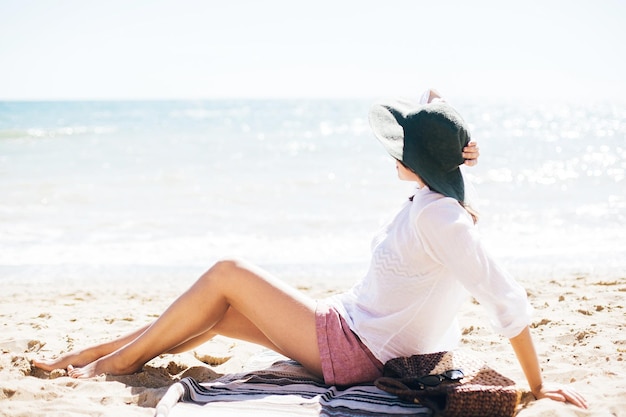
(578,328)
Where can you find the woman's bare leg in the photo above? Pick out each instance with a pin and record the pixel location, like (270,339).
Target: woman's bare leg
(275,315)
(85,356)
(233,324)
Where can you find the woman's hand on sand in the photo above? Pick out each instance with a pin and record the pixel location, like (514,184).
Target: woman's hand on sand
(562,394)
(471,153)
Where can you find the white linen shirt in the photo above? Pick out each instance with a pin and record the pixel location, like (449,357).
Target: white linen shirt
(424,264)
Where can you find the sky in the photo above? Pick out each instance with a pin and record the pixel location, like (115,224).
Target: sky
(203,49)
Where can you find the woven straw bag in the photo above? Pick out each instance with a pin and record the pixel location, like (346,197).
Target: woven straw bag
(482,392)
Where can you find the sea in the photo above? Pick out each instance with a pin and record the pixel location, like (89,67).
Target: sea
(157,191)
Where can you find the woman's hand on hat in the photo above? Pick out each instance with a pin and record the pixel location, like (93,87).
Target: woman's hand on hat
(471,153)
(434,96)
(562,394)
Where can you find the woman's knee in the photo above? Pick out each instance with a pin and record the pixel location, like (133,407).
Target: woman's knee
(227,266)
(223,270)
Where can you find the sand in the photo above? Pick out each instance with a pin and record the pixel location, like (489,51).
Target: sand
(578,328)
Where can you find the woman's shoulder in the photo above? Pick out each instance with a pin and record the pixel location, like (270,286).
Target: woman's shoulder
(430,203)
(436,210)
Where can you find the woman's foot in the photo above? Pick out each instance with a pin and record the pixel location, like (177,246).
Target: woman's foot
(112,364)
(86,371)
(77,358)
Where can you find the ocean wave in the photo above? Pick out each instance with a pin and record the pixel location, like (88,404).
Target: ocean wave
(44,133)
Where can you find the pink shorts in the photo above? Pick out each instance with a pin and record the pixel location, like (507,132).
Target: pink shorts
(345,359)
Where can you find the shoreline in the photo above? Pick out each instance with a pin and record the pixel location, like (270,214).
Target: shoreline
(577,326)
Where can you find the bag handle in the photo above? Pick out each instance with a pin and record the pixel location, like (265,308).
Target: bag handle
(397,387)
(392,385)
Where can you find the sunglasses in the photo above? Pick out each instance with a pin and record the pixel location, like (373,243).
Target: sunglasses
(434,380)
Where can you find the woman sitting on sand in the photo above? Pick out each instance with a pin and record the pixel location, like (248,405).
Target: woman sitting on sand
(424,263)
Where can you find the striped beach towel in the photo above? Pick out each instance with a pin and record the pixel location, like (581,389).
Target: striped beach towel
(284,389)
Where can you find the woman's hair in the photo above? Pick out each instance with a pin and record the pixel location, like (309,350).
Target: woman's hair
(471,211)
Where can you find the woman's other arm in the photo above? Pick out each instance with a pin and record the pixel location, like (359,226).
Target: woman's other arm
(527,357)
